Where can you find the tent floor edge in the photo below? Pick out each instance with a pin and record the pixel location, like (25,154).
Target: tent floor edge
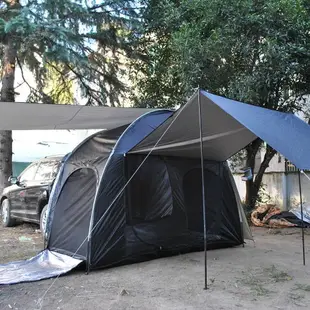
(87,267)
(68,253)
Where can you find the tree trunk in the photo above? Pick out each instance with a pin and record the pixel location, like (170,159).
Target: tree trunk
(251,151)
(253,186)
(5,158)
(8,95)
(270,152)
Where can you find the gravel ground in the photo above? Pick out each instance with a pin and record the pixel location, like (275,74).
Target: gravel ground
(266,275)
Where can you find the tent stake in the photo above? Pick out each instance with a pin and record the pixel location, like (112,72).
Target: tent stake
(203,190)
(302,220)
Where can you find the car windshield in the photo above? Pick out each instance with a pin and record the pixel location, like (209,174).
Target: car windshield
(28,173)
(47,170)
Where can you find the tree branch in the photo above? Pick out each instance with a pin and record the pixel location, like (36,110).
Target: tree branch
(22,74)
(89,90)
(36,91)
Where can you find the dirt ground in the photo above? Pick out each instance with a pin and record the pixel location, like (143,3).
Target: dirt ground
(267,275)
(20,242)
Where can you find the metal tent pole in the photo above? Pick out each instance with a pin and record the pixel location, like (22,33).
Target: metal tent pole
(302,220)
(203,189)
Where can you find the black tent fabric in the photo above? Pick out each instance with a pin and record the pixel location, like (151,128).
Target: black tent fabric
(291,218)
(74,217)
(134,207)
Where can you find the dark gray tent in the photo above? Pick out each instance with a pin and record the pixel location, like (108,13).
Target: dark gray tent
(157,212)
(134,192)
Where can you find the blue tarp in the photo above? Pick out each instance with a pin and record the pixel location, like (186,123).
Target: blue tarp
(285,132)
(227,127)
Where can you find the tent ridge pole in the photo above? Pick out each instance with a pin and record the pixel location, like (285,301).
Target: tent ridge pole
(203,190)
(302,220)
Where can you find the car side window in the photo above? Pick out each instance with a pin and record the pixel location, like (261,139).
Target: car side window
(28,174)
(46,171)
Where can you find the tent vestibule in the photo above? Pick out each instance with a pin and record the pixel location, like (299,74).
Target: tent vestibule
(98,219)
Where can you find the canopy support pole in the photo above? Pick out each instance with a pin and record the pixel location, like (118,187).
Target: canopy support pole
(302,220)
(203,190)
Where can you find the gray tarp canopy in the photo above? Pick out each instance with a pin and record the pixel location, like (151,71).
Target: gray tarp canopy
(228,126)
(30,116)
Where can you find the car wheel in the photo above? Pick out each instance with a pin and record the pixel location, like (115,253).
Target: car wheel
(7,220)
(43,221)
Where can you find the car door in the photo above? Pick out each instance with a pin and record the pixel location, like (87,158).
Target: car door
(35,193)
(18,195)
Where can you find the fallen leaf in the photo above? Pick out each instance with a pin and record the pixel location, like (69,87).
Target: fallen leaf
(124,292)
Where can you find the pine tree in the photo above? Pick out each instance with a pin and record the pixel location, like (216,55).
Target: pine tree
(73,41)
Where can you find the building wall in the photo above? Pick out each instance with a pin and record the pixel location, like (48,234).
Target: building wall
(277,163)
(293,188)
(280,188)
(273,188)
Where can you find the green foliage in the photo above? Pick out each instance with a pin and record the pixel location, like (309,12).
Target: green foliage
(237,161)
(77,36)
(263,197)
(59,84)
(253,51)
(2,28)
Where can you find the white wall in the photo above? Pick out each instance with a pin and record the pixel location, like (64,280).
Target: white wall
(282,188)
(277,163)
(293,189)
